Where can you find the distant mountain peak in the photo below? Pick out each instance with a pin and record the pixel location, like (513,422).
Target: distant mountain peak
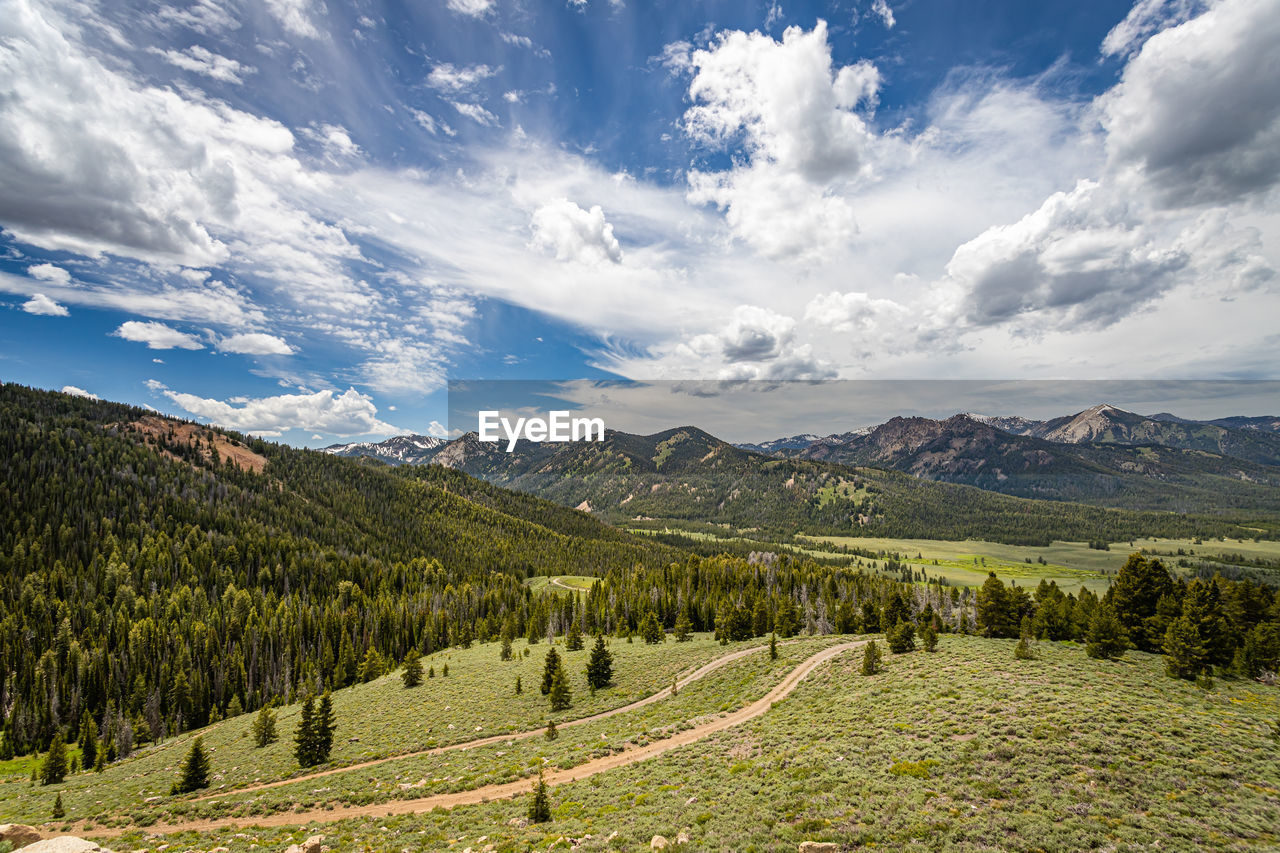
(397,450)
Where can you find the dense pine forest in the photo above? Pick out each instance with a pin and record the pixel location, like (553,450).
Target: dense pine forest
(156,575)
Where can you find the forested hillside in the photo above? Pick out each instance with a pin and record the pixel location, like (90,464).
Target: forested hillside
(158,576)
(684,475)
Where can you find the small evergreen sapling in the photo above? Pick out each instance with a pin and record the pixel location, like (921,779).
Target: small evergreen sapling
(58,810)
(540,807)
(600,666)
(195,770)
(549,669)
(264,726)
(929,637)
(773,645)
(683,630)
(561,696)
(552,734)
(871,659)
(573,642)
(54,768)
(412,675)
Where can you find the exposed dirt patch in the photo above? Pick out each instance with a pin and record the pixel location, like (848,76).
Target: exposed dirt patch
(159,430)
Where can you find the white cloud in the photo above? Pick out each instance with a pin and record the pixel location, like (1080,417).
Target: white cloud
(438,429)
(49,272)
(450,78)
(1078,260)
(574,234)
(1145,19)
(296,16)
(255,343)
(880,8)
(472,8)
(349,413)
(93,161)
(41,304)
(206,17)
(79,392)
(794,117)
(1196,115)
(476,113)
(156,335)
(155,385)
(203,61)
(756,343)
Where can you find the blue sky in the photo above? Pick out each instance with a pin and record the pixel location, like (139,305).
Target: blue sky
(300,219)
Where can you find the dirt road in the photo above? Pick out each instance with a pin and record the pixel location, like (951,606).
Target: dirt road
(513,789)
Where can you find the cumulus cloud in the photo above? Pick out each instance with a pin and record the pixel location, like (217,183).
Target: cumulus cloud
(1078,257)
(41,304)
(93,161)
(756,343)
(471,8)
(156,335)
(1196,115)
(881,10)
(1145,19)
(447,77)
(296,16)
(349,413)
(476,113)
(255,343)
(79,392)
(49,272)
(574,234)
(200,60)
(794,116)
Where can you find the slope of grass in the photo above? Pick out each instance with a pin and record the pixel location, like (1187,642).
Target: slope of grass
(966,749)
(382,718)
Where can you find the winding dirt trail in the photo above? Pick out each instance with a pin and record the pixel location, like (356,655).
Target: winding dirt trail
(699,673)
(521,786)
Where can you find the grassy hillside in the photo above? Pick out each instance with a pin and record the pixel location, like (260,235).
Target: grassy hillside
(964,749)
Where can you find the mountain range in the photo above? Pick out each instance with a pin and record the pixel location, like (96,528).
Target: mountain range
(905,477)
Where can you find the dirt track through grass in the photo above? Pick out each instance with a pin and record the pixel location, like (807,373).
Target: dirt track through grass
(513,789)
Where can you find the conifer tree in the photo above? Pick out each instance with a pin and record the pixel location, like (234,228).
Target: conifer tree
(540,807)
(519,686)
(902,638)
(264,726)
(372,666)
(683,630)
(412,675)
(871,659)
(773,645)
(325,726)
(88,741)
(505,654)
(304,737)
(651,630)
(195,770)
(600,666)
(929,637)
(573,642)
(560,695)
(1185,653)
(58,810)
(444,671)
(431,671)
(1105,638)
(54,768)
(552,734)
(549,670)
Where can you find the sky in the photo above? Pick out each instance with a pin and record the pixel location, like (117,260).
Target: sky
(301,219)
